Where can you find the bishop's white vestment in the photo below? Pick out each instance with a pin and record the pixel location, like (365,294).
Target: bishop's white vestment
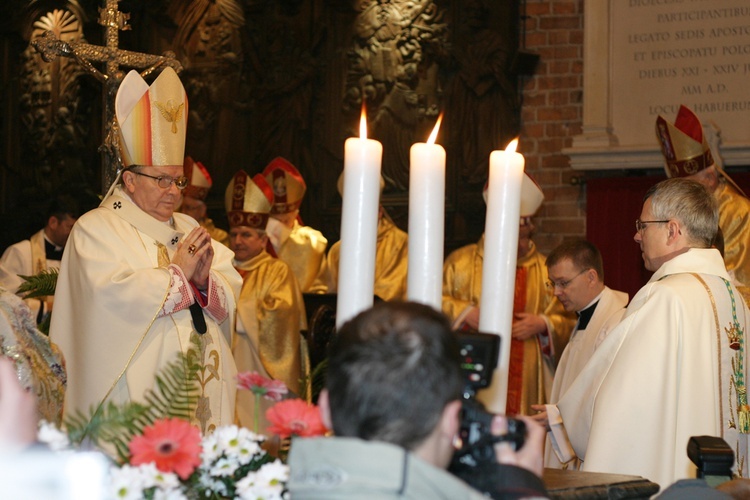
(119,317)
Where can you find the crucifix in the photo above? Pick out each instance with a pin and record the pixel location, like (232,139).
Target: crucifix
(50,47)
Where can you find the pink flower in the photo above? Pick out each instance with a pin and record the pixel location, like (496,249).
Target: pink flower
(294,417)
(173,445)
(262,386)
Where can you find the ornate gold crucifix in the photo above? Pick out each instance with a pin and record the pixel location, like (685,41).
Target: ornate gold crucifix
(50,47)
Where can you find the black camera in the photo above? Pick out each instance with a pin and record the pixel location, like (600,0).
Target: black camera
(479,355)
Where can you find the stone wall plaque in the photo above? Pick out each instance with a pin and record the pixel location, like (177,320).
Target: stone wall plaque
(643,58)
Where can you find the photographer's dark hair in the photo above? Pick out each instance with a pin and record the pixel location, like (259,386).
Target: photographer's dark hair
(391,371)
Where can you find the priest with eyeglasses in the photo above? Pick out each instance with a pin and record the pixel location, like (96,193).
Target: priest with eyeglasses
(676,365)
(141,282)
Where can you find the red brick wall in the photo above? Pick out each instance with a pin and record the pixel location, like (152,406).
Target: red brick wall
(552,116)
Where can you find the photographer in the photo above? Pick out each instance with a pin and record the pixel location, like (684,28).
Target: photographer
(393,399)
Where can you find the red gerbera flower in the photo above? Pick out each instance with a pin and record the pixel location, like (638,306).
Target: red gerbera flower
(294,417)
(173,445)
(262,386)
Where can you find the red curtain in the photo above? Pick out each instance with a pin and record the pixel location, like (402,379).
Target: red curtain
(612,206)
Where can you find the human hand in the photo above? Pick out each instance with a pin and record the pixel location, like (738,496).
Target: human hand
(531,454)
(472,318)
(527,325)
(191,251)
(18,415)
(541,416)
(203,269)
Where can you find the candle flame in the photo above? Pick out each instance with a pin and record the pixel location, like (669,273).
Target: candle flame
(512,146)
(363,123)
(434,133)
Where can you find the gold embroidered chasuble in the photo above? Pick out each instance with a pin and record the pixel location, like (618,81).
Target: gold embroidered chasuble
(271,315)
(120,317)
(303,250)
(462,287)
(734,221)
(216,232)
(391,260)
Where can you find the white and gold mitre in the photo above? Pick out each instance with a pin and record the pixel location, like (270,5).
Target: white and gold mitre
(152,119)
(532,196)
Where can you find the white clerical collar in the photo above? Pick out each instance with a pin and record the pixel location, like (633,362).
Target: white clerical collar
(596,299)
(57,247)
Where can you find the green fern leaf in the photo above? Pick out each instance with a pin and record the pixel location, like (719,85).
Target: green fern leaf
(39,285)
(175,395)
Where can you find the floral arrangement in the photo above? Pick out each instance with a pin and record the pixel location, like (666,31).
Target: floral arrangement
(169,459)
(290,417)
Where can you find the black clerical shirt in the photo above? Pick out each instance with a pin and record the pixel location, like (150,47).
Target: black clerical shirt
(585,315)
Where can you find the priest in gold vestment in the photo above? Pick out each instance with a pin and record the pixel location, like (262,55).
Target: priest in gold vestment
(391,260)
(541,326)
(301,247)
(687,154)
(141,283)
(270,311)
(391,257)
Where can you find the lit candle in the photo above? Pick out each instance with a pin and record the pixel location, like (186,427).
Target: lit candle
(426,221)
(499,267)
(359,224)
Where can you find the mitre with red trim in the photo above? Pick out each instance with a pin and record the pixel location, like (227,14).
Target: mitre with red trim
(683,144)
(287,184)
(199,180)
(247,201)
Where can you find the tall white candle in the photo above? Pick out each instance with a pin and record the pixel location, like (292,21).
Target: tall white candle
(359,224)
(426,221)
(499,266)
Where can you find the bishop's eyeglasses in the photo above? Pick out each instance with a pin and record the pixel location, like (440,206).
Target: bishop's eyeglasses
(640,225)
(165,181)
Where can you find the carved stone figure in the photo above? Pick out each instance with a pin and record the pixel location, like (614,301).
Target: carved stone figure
(208,43)
(482,102)
(392,68)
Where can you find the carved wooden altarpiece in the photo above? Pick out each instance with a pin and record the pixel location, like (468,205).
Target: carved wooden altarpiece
(50,46)
(269,78)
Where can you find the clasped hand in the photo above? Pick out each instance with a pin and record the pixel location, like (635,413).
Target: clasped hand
(194,256)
